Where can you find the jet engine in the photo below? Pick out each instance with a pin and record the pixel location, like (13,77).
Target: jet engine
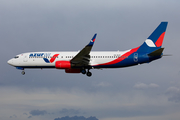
(72,70)
(67,66)
(63,65)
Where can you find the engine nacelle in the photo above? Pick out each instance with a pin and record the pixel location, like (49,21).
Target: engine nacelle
(63,65)
(72,70)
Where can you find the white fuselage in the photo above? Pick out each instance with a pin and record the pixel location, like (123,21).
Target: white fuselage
(36,59)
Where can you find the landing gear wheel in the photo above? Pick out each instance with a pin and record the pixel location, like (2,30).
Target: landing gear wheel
(89,74)
(83,71)
(23,72)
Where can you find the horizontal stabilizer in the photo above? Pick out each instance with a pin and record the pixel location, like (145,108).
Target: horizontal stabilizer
(157,52)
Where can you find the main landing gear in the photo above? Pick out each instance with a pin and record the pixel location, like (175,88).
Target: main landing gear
(89,74)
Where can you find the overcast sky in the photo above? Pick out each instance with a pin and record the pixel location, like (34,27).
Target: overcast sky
(143,92)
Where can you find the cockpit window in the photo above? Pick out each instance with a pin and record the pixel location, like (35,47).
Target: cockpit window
(16,57)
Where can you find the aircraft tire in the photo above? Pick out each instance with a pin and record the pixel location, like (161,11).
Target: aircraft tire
(89,74)
(23,72)
(83,71)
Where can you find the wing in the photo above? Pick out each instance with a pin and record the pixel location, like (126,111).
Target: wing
(83,57)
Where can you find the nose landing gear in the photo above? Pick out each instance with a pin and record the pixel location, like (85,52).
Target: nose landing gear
(23,72)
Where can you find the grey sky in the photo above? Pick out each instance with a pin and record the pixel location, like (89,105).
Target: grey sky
(149,91)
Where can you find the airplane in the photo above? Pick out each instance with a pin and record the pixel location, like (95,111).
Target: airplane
(84,60)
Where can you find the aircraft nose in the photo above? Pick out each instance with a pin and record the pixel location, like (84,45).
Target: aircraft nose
(10,62)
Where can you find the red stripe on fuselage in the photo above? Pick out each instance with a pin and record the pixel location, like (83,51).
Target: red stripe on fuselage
(160,40)
(121,58)
(53,58)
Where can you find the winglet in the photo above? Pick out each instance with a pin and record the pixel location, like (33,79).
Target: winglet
(83,57)
(92,40)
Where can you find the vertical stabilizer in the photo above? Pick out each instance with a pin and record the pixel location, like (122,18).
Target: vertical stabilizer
(155,40)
